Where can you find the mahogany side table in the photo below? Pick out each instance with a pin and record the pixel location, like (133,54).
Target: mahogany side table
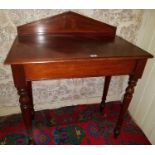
(70,45)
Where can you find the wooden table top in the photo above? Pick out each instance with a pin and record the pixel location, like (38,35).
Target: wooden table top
(69,36)
(49,48)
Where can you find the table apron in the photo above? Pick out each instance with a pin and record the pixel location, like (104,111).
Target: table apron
(75,69)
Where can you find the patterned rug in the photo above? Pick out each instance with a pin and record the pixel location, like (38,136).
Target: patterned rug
(82,124)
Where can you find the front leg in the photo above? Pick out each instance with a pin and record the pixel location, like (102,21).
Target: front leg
(26,108)
(26,104)
(126,101)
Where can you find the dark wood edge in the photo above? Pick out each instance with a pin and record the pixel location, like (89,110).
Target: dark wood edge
(7,62)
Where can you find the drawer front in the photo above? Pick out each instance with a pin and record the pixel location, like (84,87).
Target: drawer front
(78,68)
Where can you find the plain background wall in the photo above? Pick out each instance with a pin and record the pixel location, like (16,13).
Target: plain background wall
(142,107)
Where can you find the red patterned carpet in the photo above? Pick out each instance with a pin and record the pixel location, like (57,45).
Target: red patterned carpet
(82,124)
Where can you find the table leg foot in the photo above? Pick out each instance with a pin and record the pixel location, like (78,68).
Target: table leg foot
(116,133)
(102,106)
(31,142)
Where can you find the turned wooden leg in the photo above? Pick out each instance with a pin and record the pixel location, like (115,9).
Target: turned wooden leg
(105,91)
(25,105)
(127,98)
(25,93)
(29,87)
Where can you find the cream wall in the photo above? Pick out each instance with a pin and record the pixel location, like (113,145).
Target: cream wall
(142,107)
(57,93)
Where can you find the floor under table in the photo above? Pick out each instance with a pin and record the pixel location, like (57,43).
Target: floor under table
(82,124)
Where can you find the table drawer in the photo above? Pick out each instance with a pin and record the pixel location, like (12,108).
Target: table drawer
(78,68)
